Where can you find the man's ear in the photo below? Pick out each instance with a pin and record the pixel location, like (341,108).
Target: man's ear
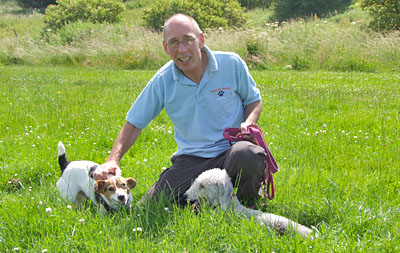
(99,186)
(131,183)
(165,47)
(201,39)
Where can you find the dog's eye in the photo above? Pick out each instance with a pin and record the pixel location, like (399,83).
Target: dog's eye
(123,186)
(111,189)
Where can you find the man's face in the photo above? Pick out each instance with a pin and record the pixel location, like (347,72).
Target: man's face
(184,46)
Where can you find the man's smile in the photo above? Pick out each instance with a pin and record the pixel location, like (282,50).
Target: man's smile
(184,59)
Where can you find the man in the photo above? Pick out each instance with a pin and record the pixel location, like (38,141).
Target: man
(203,92)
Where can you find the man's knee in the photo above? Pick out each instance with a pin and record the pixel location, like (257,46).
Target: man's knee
(245,164)
(246,155)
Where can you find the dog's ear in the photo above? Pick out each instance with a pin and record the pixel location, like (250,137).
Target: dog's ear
(99,186)
(225,193)
(131,183)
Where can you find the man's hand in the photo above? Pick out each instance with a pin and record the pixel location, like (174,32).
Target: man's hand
(244,133)
(244,125)
(107,170)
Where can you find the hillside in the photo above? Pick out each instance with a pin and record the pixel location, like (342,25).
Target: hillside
(339,43)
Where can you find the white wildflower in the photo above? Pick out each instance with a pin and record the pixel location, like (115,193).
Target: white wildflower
(138,229)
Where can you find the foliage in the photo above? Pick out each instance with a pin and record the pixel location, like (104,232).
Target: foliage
(73,33)
(93,11)
(339,43)
(289,9)
(207,13)
(252,4)
(137,4)
(37,4)
(385,14)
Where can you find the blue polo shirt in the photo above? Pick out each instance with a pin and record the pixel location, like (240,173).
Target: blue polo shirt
(199,112)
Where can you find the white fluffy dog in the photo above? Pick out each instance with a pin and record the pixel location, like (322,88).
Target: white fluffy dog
(215,187)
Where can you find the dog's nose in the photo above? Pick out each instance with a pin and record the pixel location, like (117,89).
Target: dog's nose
(121,198)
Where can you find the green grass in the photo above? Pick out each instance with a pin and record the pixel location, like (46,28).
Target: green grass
(15,21)
(335,136)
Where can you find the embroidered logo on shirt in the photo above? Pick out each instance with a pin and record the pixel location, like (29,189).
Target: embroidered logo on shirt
(220,92)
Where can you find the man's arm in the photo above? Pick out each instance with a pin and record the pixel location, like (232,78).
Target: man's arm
(251,114)
(126,138)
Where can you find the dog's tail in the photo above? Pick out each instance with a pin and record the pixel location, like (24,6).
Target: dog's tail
(62,159)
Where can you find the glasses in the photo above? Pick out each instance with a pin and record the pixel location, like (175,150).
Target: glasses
(187,41)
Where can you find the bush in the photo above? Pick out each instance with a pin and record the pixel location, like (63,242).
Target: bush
(385,14)
(289,9)
(252,4)
(72,33)
(207,13)
(93,11)
(36,4)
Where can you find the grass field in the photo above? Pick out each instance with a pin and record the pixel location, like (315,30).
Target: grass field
(335,136)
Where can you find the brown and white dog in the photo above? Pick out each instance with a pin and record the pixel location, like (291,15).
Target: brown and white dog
(77,184)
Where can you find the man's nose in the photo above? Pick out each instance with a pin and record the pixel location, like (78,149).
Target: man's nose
(182,46)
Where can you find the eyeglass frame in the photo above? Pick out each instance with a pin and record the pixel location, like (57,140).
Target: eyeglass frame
(186,41)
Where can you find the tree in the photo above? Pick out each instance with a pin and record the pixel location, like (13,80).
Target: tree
(385,14)
(207,13)
(93,11)
(252,4)
(288,9)
(36,4)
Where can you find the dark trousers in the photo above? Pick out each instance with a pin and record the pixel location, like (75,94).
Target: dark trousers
(244,162)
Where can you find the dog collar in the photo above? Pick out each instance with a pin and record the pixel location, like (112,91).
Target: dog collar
(101,201)
(92,169)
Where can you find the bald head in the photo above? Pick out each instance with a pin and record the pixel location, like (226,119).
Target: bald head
(180,18)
